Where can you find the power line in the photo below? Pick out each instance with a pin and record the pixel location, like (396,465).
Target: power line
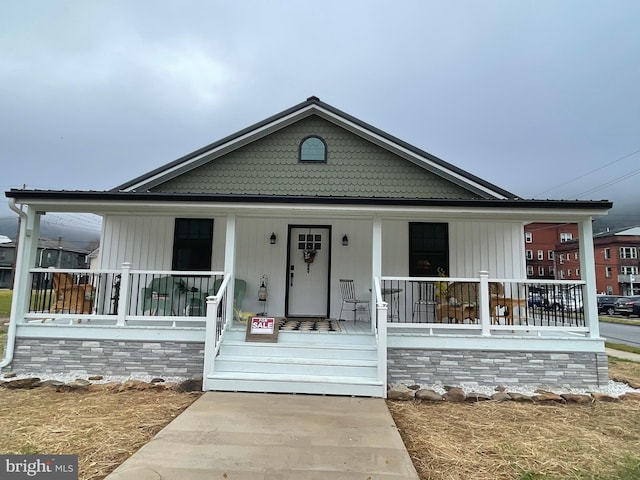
(612,182)
(589,173)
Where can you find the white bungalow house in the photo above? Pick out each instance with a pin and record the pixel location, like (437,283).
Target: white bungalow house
(275,216)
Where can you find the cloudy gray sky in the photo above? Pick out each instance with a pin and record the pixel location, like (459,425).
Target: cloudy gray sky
(539,97)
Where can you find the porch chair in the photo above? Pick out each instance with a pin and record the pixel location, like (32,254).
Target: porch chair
(70,297)
(426,301)
(504,307)
(462,298)
(159,296)
(348,291)
(239,289)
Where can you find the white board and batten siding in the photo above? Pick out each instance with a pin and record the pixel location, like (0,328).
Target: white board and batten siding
(255,257)
(147,242)
(497,247)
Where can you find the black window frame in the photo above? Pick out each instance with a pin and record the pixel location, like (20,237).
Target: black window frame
(428,249)
(193,237)
(309,137)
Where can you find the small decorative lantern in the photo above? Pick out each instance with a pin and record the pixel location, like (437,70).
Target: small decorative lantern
(262,292)
(273,238)
(345,240)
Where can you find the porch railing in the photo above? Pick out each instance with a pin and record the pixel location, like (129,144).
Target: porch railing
(380,329)
(483,304)
(121,297)
(219,318)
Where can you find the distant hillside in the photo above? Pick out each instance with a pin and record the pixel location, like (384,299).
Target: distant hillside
(622,215)
(82,237)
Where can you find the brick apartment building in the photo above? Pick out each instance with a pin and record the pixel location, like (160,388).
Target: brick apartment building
(541,240)
(552,253)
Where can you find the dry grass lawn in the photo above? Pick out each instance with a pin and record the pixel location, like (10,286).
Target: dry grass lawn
(492,441)
(103,427)
(446,441)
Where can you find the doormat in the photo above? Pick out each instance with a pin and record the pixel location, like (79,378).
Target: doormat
(309,325)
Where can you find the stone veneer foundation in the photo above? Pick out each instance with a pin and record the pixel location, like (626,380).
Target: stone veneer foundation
(428,367)
(404,365)
(108,357)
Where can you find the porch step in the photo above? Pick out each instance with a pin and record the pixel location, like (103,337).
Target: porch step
(298,350)
(333,338)
(286,383)
(306,366)
(302,366)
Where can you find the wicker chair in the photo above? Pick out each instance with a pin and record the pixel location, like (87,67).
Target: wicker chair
(70,297)
(462,300)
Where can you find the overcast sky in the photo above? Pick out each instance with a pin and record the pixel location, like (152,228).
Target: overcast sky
(540,97)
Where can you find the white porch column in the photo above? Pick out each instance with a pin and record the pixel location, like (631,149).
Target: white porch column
(25,259)
(123,294)
(230,261)
(376,264)
(379,312)
(483,300)
(588,275)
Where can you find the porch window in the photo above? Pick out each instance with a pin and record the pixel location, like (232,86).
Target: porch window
(528,237)
(540,254)
(541,271)
(550,254)
(529,270)
(607,253)
(192,244)
(608,272)
(529,254)
(313,149)
(428,249)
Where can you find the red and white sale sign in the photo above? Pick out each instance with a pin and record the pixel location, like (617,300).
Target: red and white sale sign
(262,325)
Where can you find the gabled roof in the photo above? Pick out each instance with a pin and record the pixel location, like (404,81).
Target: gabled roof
(620,232)
(313,106)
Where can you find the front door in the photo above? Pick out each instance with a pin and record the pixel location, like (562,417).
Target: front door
(309,256)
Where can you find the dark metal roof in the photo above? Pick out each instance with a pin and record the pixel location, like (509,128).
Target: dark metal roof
(149,197)
(315,101)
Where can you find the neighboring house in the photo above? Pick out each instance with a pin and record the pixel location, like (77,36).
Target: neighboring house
(617,261)
(7,258)
(274,217)
(51,253)
(540,245)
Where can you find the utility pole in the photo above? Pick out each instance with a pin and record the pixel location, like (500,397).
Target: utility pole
(59,262)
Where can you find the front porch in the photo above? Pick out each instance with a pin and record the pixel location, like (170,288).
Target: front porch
(417,332)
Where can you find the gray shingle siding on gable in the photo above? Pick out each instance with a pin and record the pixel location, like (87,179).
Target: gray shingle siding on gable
(355,167)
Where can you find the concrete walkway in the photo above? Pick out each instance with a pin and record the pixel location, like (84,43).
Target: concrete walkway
(634,357)
(269,436)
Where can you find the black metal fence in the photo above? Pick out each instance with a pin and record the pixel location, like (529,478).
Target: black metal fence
(510,302)
(104,293)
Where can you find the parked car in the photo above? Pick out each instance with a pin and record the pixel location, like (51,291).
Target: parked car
(566,302)
(607,303)
(537,300)
(628,306)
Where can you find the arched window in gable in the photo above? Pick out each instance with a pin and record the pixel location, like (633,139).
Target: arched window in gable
(313,149)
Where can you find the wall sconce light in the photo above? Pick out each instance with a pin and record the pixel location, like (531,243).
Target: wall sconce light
(345,240)
(273,238)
